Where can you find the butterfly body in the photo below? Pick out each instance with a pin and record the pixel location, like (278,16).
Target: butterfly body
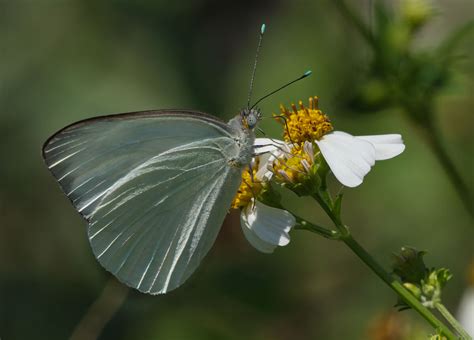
(245,138)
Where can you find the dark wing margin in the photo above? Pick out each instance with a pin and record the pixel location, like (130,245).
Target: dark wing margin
(137,115)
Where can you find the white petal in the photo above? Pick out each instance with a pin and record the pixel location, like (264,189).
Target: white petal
(270,224)
(263,172)
(466,311)
(349,158)
(263,145)
(268,150)
(306,165)
(386,146)
(266,227)
(309,150)
(254,240)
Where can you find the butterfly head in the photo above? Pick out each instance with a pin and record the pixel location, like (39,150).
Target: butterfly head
(250,117)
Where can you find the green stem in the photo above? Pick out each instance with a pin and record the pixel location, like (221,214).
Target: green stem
(305,225)
(434,139)
(427,127)
(327,204)
(454,323)
(104,308)
(407,297)
(363,29)
(393,283)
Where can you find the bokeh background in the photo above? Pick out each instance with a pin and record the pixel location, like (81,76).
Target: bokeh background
(62,61)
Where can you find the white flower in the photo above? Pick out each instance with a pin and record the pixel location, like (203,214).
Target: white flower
(351,157)
(263,226)
(466,311)
(266,227)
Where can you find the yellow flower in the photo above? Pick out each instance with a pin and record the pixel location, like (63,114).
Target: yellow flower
(294,164)
(250,186)
(265,227)
(349,157)
(304,124)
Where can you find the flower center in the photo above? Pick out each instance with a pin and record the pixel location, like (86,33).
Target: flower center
(295,165)
(249,188)
(304,124)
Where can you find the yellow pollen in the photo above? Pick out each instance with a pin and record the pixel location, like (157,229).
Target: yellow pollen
(304,124)
(291,168)
(249,188)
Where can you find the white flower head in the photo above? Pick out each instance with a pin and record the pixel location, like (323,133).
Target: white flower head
(264,227)
(349,157)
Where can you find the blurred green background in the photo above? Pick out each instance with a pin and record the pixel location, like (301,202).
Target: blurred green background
(62,61)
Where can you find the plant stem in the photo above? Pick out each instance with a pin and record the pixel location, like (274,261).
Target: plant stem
(434,139)
(101,311)
(407,297)
(454,323)
(363,29)
(392,282)
(305,225)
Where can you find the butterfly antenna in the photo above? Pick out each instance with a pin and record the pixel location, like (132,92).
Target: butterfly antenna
(306,74)
(262,30)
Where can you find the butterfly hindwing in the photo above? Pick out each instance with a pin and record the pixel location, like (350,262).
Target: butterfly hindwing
(154,187)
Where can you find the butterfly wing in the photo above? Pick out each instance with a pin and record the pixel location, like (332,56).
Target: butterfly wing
(154,187)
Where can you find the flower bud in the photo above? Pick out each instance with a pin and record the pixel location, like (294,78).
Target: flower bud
(425,284)
(409,265)
(417,12)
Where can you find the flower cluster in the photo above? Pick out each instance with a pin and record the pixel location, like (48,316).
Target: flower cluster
(251,186)
(294,163)
(310,143)
(424,283)
(304,124)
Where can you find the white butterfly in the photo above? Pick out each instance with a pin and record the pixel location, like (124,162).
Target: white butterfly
(154,187)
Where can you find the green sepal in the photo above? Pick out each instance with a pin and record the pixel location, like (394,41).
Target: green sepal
(322,169)
(312,181)
(337,205)
(271,197)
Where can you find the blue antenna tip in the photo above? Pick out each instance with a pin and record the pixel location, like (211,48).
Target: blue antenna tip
(262,29)
(307,73)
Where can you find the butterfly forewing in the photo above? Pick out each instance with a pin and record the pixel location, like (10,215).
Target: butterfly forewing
(154,188)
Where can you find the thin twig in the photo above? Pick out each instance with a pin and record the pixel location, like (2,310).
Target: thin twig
(101,311)
(434,139)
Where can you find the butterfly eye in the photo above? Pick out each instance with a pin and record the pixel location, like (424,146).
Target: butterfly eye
(252,120)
